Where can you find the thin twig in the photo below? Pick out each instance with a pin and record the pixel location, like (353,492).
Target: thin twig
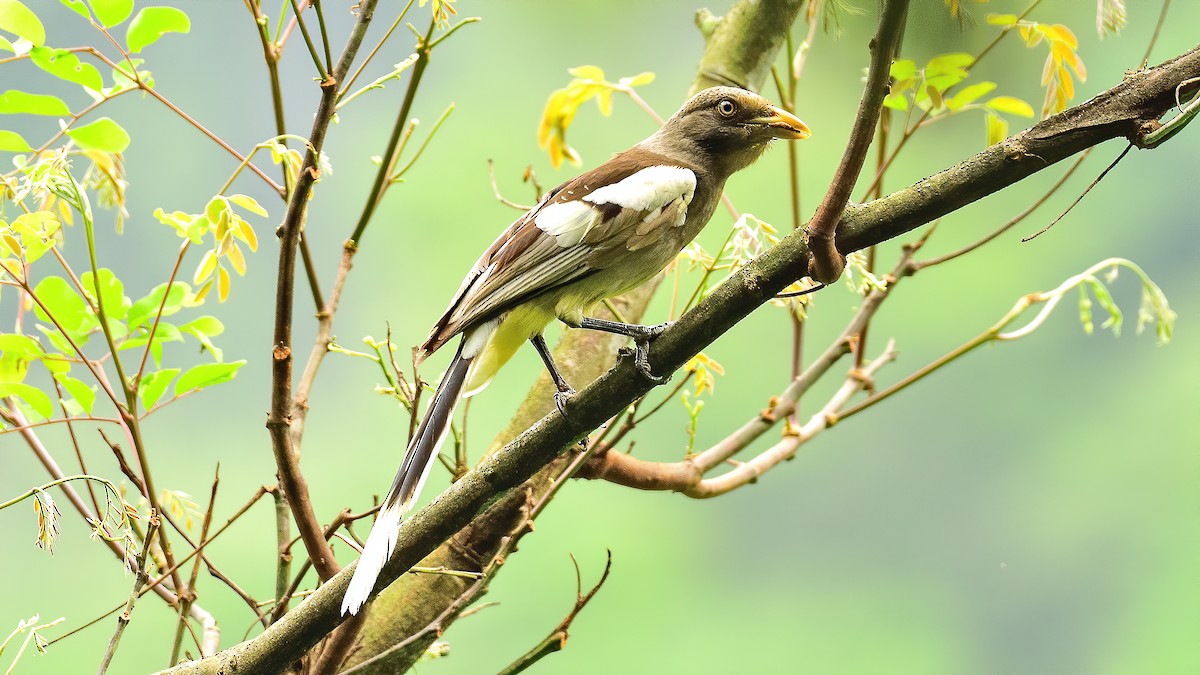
(496,190)
(1012,222)
(1162,17)
(557,639)
(189,596)
(138,582)
(1078,199)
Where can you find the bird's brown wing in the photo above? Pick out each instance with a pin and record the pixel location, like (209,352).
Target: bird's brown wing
(617,206)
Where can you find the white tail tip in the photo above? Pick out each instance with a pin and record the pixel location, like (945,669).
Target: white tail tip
(379,547)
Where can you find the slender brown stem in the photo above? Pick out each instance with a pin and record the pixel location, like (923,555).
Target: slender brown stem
(161,306)
(827,262)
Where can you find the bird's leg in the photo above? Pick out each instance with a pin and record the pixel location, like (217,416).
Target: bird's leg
(564,390)
(642,335)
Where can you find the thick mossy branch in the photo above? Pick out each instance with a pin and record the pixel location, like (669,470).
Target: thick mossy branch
(743,44)
(1127,110)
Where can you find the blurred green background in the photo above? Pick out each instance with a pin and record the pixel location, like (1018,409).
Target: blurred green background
(1032,508)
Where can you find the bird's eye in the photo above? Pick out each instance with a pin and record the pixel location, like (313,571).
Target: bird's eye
(726,108)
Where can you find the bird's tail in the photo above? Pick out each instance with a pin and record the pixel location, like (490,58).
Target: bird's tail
(418,460)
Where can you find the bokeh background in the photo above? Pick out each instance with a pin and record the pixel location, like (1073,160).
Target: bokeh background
(1032,508)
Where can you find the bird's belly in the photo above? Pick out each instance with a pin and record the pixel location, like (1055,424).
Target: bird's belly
(575,300)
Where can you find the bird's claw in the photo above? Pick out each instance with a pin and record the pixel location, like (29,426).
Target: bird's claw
(560,400)
(641,359)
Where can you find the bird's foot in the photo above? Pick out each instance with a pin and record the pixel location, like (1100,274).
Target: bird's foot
(561,397)
(641,360)
(642,337)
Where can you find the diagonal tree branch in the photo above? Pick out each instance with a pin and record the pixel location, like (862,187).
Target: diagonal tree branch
(1128,110)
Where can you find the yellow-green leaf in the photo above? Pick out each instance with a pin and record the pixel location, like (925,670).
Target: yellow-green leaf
(997,129)
(112,12)
(222,283)
(206,375)
(1002,19)
(84,395)
(103,134)
(637,80)
(36,398)
(66,65)
(236,259)
(968,95)
(11,141)
(587,73)
(208,264)
(154,385)
(1011,105)
(19,20)
(243,231)
(19,102)
(249,203)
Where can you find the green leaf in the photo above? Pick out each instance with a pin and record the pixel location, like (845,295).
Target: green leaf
(144,309)
(20,345)
(6,45)
(19,20)
(65,305)
(206,375)
(17,102)
(83,394)
(205,325)
(56,338)
(203,329)
(153,385)
(36,398)
(151,23)
(111,292)
(56,364)
(78,7)
(903,69)
(11,141)
(1011,105)
(112,12)
(970,94)
(952,63)
(66,66)
(248,203)
(103,134)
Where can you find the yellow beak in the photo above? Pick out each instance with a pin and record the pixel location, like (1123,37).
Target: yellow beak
(783,124)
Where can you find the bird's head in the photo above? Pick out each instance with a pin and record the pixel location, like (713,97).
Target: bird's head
(729,127)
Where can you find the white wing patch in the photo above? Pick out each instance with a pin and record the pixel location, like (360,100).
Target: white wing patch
(648,189)
(567,222)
